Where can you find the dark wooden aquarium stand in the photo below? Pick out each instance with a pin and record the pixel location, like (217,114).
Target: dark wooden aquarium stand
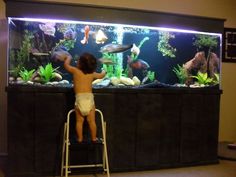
(146,128)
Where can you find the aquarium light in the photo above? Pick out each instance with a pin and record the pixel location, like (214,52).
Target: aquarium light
(187,31)
(115,25)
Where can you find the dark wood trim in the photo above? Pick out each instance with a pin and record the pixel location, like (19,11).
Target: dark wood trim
(94,13)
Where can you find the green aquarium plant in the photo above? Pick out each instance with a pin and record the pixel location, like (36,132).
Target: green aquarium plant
(20,58)
(26,75)
(109,70)
(118,71)
(47,73)
(181,73)
(216,80)
(69,40)
(68,44)
(164,44)
(151,75)
(205,41)
(203,79)
(110,64)
(134,56)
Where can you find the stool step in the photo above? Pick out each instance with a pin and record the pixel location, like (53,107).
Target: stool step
(85,155)
(99,141)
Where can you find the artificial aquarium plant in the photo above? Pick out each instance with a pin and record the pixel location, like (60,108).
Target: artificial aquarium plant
(203,79)
(203,42)
(67,44)
(47,73)
(134,54)
(133,58)
(181,73)
(164,44)
(216,79)
(26,75)
(151,75)
(109,61)
(20,57)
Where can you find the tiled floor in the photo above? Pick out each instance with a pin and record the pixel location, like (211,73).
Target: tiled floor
(224,169)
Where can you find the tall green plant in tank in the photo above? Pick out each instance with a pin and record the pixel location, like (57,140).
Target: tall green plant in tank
(110,61)
(134,55)
(164,44)
(19,58)
(181,73)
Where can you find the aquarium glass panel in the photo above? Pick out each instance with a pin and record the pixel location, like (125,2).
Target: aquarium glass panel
(133,56)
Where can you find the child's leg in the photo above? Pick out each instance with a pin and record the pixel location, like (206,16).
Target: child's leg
(79,125)
(92,124)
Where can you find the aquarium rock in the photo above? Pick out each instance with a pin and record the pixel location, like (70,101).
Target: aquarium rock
(115,81)
(30,82)
(97,81)
(200,63)
(103,83)
(64,82)
(126,80)
(11,79)
(136,80)
(36,79)
(58,77)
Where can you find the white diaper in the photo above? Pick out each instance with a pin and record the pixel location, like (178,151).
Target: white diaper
(84,102)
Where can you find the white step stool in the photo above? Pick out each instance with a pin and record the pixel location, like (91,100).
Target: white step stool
(65,166)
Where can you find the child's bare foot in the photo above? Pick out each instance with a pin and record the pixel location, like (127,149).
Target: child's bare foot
(80,140)
(97,140)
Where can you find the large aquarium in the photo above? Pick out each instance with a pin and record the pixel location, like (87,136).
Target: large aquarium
(132,56)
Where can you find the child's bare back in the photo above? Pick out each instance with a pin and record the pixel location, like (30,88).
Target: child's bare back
(84,73)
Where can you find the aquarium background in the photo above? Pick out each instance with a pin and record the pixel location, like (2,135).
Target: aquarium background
(133,56)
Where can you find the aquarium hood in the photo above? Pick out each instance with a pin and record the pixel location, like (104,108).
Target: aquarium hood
(76,12)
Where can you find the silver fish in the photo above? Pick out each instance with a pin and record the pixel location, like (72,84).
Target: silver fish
(115,48)
(106,61)
(40,54)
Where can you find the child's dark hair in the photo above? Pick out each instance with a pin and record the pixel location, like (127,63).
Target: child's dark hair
(87,63)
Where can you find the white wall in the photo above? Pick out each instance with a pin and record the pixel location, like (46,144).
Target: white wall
(210,8)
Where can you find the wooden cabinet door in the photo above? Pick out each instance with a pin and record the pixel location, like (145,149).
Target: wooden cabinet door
(50,115)
(170,129)
(149,113)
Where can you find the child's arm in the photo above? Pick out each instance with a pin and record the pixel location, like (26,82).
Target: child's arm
(99,75)
(66,57)
(67,65)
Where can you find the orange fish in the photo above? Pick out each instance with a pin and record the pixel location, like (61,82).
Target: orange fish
(86,35)
(137,64)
